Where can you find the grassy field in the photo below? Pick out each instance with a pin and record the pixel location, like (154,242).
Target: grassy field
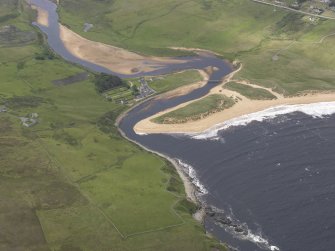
(71,182)
(173,81)
(277,48)
(196,110)
(150,25)
(249,92)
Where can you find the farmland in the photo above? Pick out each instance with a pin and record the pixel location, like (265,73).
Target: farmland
(70,181)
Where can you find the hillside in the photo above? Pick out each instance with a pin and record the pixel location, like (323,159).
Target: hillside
(280,49)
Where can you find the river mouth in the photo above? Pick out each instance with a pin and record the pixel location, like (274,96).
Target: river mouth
(257,174)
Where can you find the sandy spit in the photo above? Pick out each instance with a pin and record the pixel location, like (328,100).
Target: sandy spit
(243,107)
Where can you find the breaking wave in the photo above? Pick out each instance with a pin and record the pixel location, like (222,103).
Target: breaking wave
(192,175)
(316,110)
(246,234)
(260,241)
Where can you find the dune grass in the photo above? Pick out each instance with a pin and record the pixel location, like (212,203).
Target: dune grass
(196,110)
(250,92)
(71,182)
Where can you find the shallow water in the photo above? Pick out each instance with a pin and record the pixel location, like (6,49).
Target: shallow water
(276,175)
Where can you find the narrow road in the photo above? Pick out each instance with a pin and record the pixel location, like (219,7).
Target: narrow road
(288,8)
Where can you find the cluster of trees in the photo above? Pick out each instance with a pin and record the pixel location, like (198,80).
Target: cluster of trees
(45,54)
(135,91)
(106,122)
(104,82)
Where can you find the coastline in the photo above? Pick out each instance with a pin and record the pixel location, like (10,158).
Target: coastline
(190,189)
(243,107)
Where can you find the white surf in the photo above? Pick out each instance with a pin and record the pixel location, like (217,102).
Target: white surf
(315,110)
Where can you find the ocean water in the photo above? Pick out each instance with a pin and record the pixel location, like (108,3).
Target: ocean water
(273,172)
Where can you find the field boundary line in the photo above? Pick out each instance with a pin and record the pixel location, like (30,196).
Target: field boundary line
(124,236)
(172,208)
(320,41)
(60,166)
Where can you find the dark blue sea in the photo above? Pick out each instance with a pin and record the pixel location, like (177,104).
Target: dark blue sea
(275,177)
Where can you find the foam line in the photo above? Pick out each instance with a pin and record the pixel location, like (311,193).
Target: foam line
(315,110)
(191,173)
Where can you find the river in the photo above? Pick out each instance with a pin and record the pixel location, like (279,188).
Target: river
(272,177)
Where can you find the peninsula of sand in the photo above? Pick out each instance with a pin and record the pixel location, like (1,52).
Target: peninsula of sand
(244,106)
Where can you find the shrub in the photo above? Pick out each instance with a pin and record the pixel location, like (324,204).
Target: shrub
(104,82)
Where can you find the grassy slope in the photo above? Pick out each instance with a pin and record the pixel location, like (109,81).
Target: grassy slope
(238,29)
(249,92)
(148,24)
(173,81)
(197,109)
(64,182)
